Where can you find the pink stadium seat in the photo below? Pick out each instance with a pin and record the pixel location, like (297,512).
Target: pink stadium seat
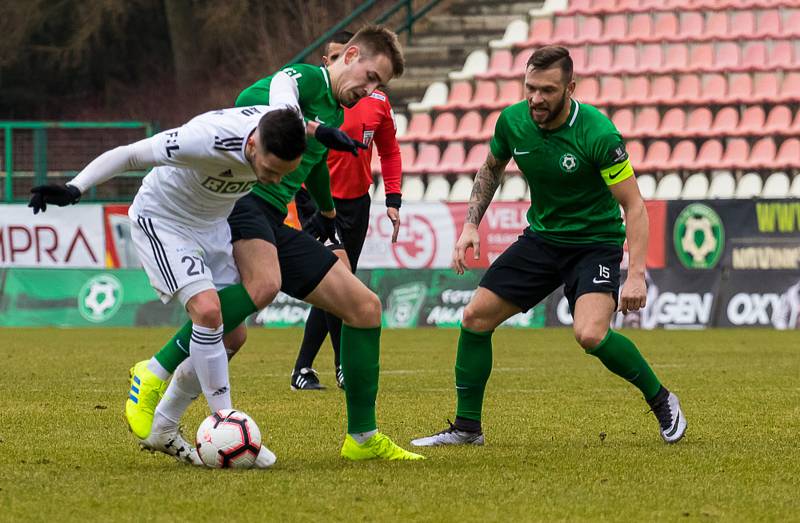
(725,122)
(650,59)
(662,89)
(616,28)
(600,60)
(459,96)
(452,158)
(754,57)
(603,6)
(510,92)
(710,155)
(743,25)
(651,5)
(623,121)
(656,157)
(666,27)
(736,153)
(726,57)
(716,26)
(699,122)
(752,121)
(541,32)
(640,28)
(629,6)
(612,91)
(673,123)
(487,129)
(762,156)
(564,31)
(792,26)
(484,95)
(635,152)
(683,155)
(624,60)
(427,160)
(790,88)
(766,88)
(779,120)
(769,24)
(646,122)
(740,88)
(419,127)
(519,65)
(375,162)
(788,154)
(580,6)
(407,154)
(578,55)
(499,64)
(701,58)
(587,90)
(796,124)
(444,127)
(691,27)
(637,90)
(780,56)
(714,89)
(475,158)
(688,90)
(676,59)
(469,126)
(590,31)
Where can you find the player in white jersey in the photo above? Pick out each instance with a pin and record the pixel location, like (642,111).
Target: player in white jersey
(180,226)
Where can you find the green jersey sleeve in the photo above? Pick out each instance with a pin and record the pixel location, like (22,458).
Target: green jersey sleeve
(608,151)
(499,143)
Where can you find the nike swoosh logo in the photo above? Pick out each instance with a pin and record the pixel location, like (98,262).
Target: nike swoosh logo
(180,346)
(520,152)
(612,176)
(316,119)
(675,427)
(459,387)
(595,280)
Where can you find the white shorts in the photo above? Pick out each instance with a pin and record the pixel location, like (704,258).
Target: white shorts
(182,261)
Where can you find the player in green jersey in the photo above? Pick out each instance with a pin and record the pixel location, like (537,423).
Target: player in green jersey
(575,162)
(272,256)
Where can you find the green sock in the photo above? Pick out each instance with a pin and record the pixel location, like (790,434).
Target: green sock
(473,366)
(620,356)
(236,307)
(359,356)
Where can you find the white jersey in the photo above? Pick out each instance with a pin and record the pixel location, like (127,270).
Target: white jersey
(201,167)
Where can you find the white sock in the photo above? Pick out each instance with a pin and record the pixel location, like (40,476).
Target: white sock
(361,437)
(155,367)
(181,392)
(210,362)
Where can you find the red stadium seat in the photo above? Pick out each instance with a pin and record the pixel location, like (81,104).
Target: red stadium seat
(475,158)
(418,128)
(587,90)
(657,156)
(624,60)
(736,154)
(779,120)
(788,154)
(603,6)
(650,59)
(714,89)
(754,57)
(637,90)
(725,122)
(484,96)
(701,58)
(616,28)
(459,96)
(727,57)
(688,90)
(683,155)
(518,67)
(699,122)
(752,121)
(510,93)
(612,90)
(564,31)
(766,88)
(716,26)
(662,89)
(452,158)
(796,124)
(635,152)
(743,25)
(541,32)
(487,129)
(629,6)
(769,24)
(499,64)
(740,88)
(673,123)
(407,154)
(640,28)
(646,122)
(444,127)
(792,26)
(600,60)
(580,6)
(710,155)
(469,126)
(590,31)
(691,27)
(780,57)
(666,27)
(427,160)
(578,55)
(676,59)
(790,88)
(762,156)
(623,121)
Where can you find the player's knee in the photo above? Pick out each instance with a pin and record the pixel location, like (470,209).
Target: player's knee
(263,291)
(589,336)
(475,320)
(204,309)
(366,312)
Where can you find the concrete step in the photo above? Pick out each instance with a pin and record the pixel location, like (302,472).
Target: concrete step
(483,7)
(440,54)
(479,24)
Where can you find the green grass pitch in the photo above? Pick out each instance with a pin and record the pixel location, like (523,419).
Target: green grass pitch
(566,440)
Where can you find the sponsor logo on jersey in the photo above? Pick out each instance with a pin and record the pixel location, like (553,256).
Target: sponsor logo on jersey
(698,237)
(367,136)
(519,153)
(378,96)
(226,174)
(234,143)
(226,187)
(568,163)
(619,154)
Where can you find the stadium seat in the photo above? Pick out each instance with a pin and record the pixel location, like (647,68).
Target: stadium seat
(762,155)
(635,153)
(682,156)
(637,90)
(435,94)
(792,26)
(475,158)
(754,57)
(407,154)
(625,60)
(499,65)
(541,32)
(740,88)
(650,59)
(612,91)
(462,188)
(687,91)
(722,185)
(477,62)
(698,123)
(662,89)
(375,162)
(710,155)
(726,57)
(444,127)
(766,88)
(413,188)
(788,155)
(437,190)
(548,8)
(768,25)
(487,130)
(701,58)
(780,56)
(452,158)
(751,123)
(695,187)
(419,128)
(647,185)
(469,126)
(427,160)
(518,67)
(459,97)
(564,30)
(600,60)
(379,193)
(716,27)
(590,31)
(673,123)
(484,95)
(779,121)
(666,27)
(776,186)
(615,29)
(794,189)
(516,32)
(736,153)
(512,168)
(743,25)
(749,186)
(401,124)
(714,89)
(514,189)
(646,122)
(640,28)
(691,27)
(509,93)
(656,157)
(623,121)
(669,187)
(676,59)
(796,124)
(790,88)
(587,90)
(578,55)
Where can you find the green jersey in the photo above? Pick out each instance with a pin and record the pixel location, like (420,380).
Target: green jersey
(568,170)
(309,88)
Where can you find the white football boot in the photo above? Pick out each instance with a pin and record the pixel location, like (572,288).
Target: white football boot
(172,444)
(667,410)
(450,436)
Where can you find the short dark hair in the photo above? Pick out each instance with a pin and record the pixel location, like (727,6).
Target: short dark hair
(552,56)
(339,37)
(283,133)
(377,39)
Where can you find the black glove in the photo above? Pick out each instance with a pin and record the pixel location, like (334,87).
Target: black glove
(56,194)
(337,140)
(321,227)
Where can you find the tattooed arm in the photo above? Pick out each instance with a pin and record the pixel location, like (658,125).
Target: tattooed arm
(486,182)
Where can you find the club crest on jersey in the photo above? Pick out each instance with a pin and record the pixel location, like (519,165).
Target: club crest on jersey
(226,187)
(367,137)
(568,163)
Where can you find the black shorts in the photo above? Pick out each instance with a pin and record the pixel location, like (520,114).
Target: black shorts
(352,221)
(304,261)
(531,268)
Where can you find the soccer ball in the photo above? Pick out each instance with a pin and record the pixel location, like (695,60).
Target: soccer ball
(228,439)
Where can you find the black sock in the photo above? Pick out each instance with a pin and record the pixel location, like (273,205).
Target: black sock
(335,328)
(467,425)
(313,336)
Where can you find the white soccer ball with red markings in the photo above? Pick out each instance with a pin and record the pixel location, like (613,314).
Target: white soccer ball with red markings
(228,439)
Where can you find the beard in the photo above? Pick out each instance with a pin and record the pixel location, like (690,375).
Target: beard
(552,113)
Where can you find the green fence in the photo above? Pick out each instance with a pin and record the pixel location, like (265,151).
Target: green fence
(40,152)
